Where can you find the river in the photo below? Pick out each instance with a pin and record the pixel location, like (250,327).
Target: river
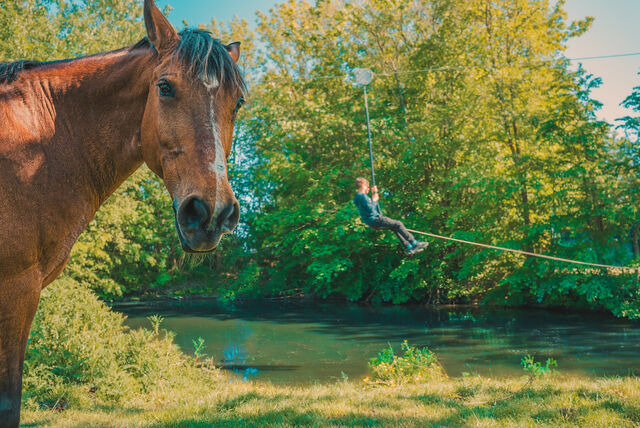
(298,342)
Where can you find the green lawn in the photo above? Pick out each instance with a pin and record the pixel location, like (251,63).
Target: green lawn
(215,400)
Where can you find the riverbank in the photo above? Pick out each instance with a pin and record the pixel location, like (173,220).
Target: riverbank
(84,367)
(213,399)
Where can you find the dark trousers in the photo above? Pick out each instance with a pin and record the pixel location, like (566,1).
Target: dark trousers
(398,228)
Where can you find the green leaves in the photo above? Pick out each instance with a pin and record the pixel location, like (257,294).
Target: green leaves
(501,145)
(76,340)
(480,130)
(413,366)
(535,369)
(57,29)
(130,246)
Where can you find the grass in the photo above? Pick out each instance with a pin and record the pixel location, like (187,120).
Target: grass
(212,399)
(84,368)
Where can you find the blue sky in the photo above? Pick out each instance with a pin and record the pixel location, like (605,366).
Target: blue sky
(615,31)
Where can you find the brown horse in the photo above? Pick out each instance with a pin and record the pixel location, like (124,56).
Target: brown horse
(72,131)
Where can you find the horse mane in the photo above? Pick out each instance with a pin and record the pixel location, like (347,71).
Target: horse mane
(9,71)
(205,57)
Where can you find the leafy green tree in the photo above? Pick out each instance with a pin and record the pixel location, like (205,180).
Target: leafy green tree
(58,29)
(494,139)
(131,244)
(481,131)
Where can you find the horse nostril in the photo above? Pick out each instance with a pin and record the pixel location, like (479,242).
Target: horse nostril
(228,217)
(193,213)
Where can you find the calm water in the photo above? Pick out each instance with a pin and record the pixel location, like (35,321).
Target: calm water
(301,342)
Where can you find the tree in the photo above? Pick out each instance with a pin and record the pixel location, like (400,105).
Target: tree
(494,140)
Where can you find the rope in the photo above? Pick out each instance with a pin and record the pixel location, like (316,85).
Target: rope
(527,253)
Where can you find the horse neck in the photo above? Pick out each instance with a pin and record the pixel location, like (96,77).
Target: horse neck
(99,102)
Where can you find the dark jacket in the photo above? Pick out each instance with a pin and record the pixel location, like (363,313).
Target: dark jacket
(369,210)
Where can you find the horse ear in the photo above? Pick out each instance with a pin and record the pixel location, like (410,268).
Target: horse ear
(234,51)
(161,33)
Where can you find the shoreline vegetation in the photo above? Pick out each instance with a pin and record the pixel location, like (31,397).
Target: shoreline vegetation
(160,299)
(85,368)
(150,299)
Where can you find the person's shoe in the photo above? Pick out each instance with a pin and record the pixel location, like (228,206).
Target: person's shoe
(417,247)
(421,245)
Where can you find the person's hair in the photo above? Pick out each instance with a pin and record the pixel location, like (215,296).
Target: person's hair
(361,182)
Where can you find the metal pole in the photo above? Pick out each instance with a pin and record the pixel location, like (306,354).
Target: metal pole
(366,107)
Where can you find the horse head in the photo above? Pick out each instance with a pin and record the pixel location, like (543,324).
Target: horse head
(187,128)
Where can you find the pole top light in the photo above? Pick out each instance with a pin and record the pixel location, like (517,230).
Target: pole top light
(363,76)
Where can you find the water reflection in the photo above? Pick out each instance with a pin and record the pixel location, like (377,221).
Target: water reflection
(297,342)
(235,359)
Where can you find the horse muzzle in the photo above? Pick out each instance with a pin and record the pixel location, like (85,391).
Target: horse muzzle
(200,227)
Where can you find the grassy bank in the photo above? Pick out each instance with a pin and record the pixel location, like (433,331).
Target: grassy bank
(85,368)
(210,400)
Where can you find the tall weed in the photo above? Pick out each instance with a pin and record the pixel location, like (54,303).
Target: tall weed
(413,366)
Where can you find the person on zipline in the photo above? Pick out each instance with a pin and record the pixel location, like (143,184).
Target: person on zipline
(372,216)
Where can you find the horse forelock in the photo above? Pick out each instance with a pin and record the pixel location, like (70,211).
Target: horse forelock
(207,59)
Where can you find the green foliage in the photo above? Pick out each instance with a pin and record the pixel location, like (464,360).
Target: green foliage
(535,369)
(131,244)
(498,144)
(59,29)
(155,321)
(80,350)
(631,124)
(413,366)
(199,347)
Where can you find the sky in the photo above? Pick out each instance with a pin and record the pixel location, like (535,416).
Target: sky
(615,31)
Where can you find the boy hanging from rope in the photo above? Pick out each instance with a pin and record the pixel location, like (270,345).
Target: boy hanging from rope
(372,216)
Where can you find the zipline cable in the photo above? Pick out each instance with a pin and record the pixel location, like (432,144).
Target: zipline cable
(629,269)
(455,68)
(469,67)
(635,270)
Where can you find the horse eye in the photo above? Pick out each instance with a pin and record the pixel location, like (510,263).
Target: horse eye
(239,104)
(164,88)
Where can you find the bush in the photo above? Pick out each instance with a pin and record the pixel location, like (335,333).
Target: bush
(79,350)
(536,369)
(414,366)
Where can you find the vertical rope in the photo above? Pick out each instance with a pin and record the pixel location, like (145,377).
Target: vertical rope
(366,107)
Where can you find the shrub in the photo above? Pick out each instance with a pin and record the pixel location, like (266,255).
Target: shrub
(535,369)
(79,349)
(413,366)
